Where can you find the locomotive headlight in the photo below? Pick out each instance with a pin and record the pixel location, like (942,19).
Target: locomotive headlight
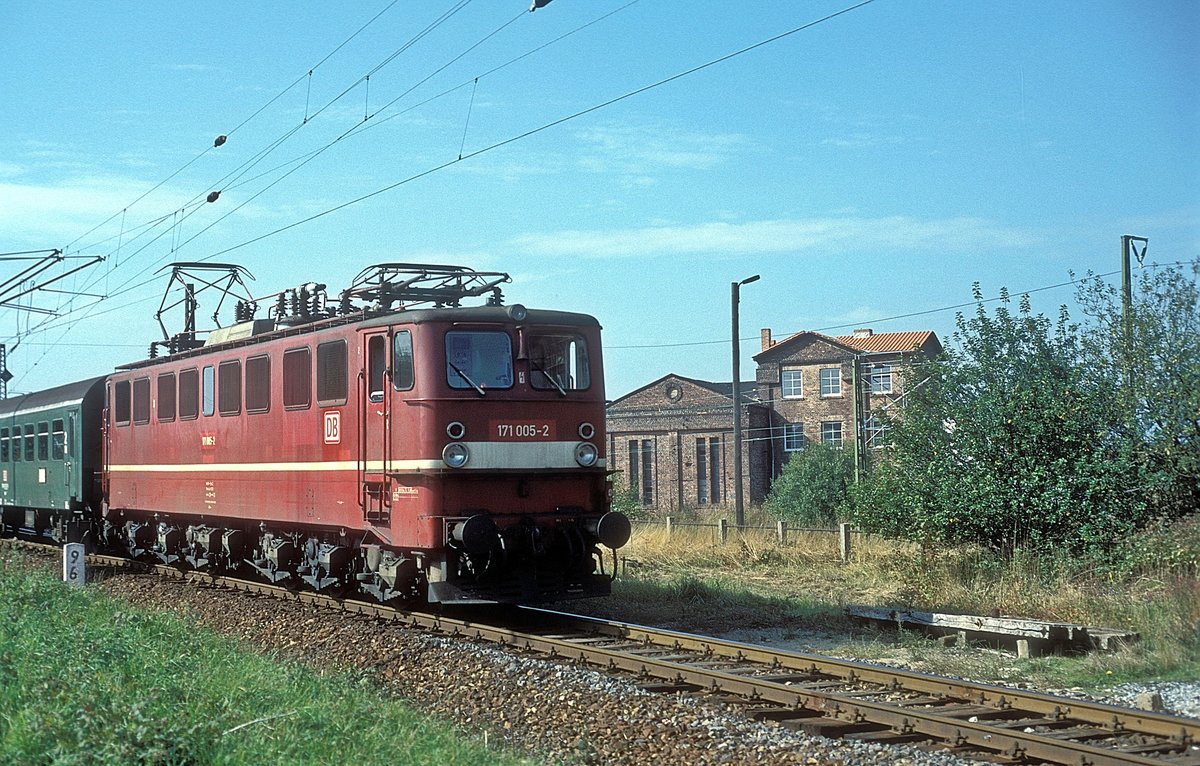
(456,455)
(586,430)
(456,430)
(586,454)
(517,312)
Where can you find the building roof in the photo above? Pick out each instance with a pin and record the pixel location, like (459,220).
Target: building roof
(749,388)
(884,342)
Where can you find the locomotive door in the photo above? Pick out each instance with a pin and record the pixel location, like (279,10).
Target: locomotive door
(375,431)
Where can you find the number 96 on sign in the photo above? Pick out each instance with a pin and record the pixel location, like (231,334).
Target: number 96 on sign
(74,564)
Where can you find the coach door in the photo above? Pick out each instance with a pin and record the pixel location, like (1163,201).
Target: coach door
(376,425)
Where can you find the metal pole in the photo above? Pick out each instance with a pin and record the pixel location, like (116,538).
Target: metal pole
(739,513)
(1127,244)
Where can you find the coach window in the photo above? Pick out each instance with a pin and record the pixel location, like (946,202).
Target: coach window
(297,379)
(4,445)
(402,361)
(16,444)
(189,394)
(376,364)
(331,373)
(58,441)
(121,404)
(479,360)
(29,442)
(43,441)
(258,384)
(141,401)
(166,397)
(229,387)
(208,392)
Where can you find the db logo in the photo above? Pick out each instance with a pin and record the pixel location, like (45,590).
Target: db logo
(333,427)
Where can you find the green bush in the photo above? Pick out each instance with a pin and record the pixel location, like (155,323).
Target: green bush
(814,484)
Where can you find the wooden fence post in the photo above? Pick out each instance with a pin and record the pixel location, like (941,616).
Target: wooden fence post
(844,539)
(781,531)
(670,524)
(722,530)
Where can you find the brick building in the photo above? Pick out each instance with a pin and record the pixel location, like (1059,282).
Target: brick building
(673,442)
(672,439)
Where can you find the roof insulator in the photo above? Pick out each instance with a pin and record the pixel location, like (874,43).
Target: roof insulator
(213,196)
(538,4)
(220,140)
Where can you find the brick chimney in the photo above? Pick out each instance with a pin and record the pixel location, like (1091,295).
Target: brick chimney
(765,334)
(863,332)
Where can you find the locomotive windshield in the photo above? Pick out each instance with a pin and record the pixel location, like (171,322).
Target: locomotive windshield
(558,362)
(479,360)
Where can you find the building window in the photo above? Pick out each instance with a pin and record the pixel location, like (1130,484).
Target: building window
(708,470)
(792,384)
(258,384)
(58,442)
(229,390)
(641,469)
(141,401)
(297,379)
(881,379)
(793,437)
(189,394)
(831,381)
(831,433)
(875,431)
(166,397)
(331,374)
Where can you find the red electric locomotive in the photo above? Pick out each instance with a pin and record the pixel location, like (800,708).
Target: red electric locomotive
(400,444)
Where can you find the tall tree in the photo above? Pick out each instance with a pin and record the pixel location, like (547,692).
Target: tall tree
(1005,441)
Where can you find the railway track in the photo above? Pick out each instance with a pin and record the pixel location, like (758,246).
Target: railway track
(812,693)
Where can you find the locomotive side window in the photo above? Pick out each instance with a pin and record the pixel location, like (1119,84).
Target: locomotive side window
(297,379)
(402,361)
(479,360)
(166,397)
(141,401)
(229,387)
(43,441)
(258,384)
(189,394)
(207,397)
(376,364)
(4,445)
(121,404)
(29,442)
(58,442)
(558,362)
(331,373)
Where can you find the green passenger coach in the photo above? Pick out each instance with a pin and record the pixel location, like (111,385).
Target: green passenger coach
(49,457)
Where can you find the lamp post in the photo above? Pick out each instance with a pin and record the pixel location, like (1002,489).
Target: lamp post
(739,513)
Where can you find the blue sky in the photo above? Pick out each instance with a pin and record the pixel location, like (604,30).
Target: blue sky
(872,165)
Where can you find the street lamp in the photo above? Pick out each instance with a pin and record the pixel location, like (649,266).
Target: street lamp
(739,513)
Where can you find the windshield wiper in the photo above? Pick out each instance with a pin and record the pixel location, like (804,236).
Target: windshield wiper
(553,380)
(463,375)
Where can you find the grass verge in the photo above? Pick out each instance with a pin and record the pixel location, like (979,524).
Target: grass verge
(88,680)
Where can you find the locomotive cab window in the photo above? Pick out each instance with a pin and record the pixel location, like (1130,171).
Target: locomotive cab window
(208,397)
(479,360)
(558,362)
(121,405)
(402,361)
(376,365)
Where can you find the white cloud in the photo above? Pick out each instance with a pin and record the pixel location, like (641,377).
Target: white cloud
(812,235)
